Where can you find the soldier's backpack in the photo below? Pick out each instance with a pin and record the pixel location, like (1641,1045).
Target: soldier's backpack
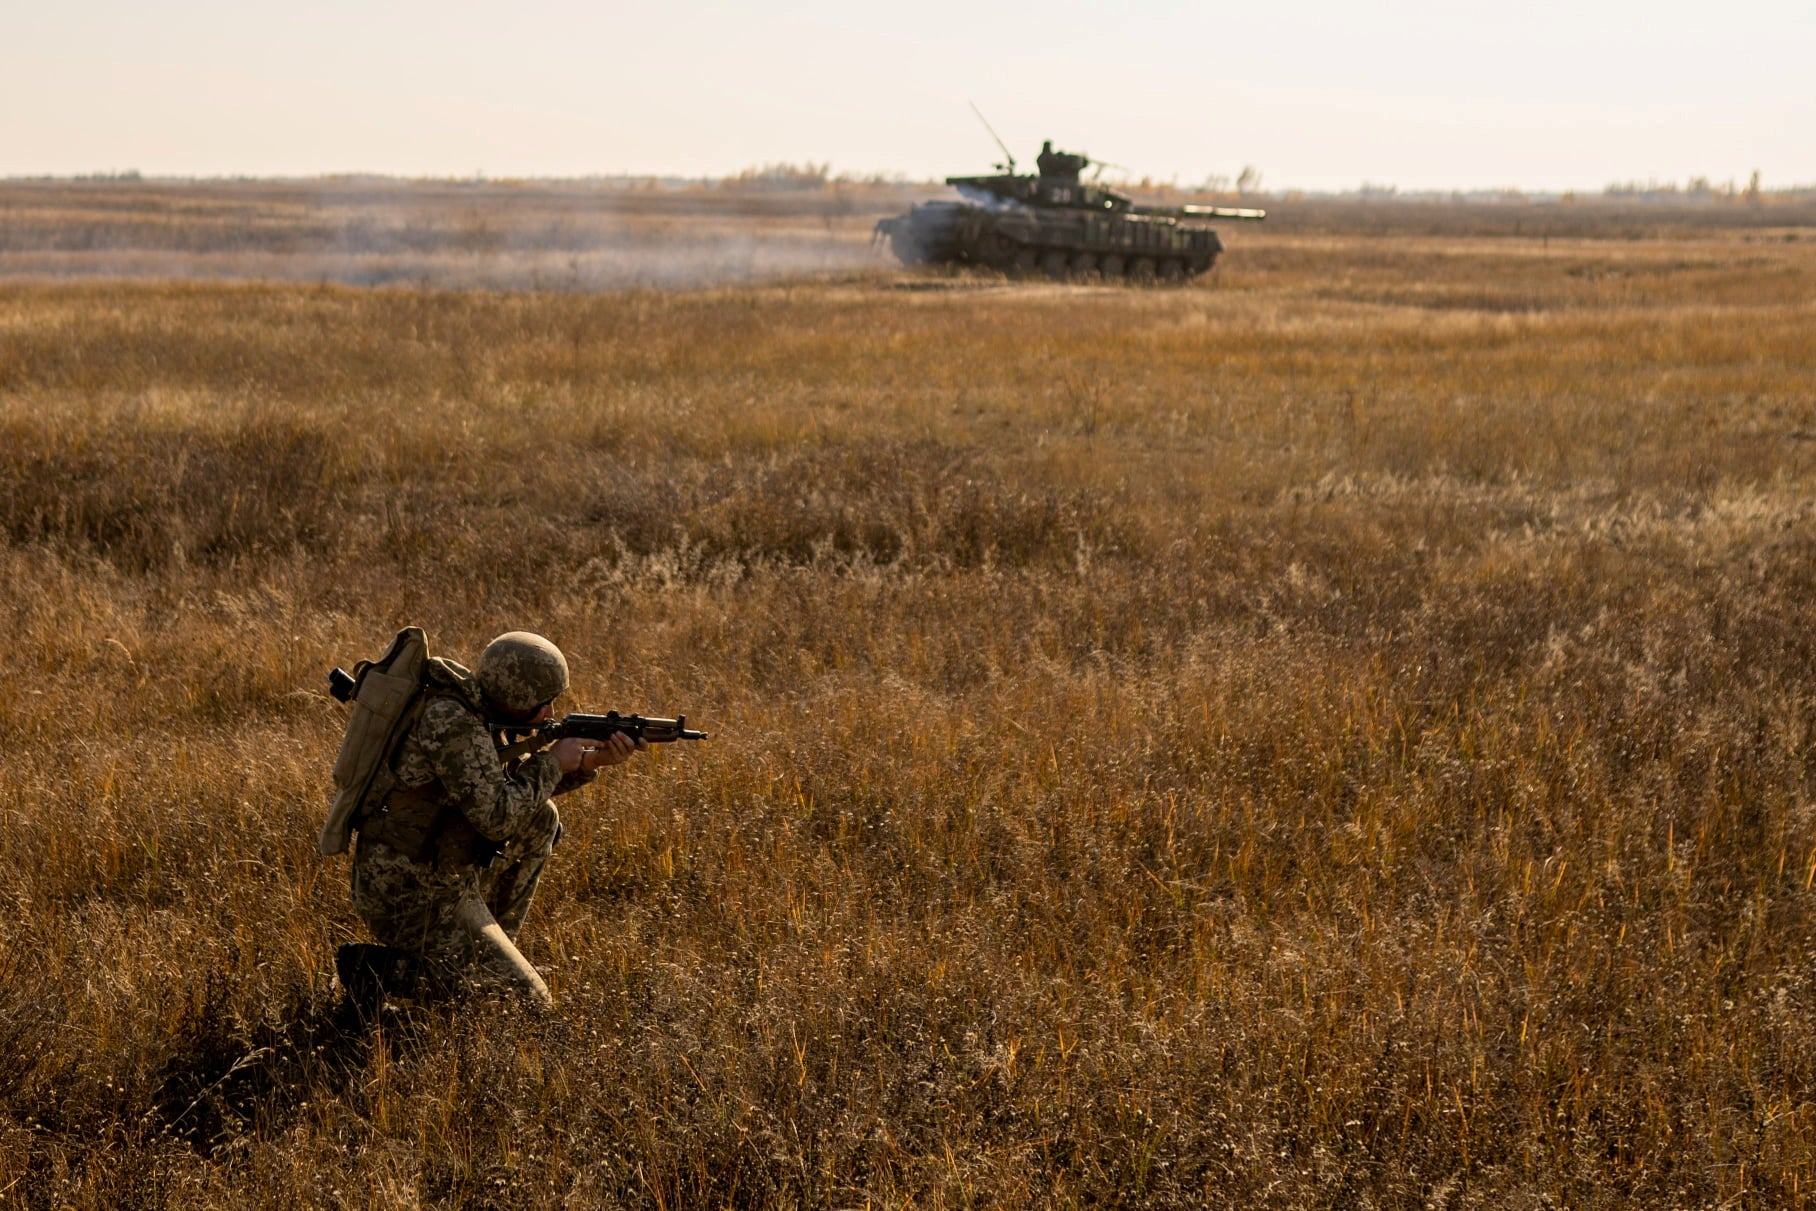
(387,698)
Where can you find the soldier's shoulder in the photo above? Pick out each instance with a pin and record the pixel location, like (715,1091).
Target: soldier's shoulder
(447,719)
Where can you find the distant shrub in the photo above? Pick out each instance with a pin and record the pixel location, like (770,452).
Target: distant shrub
(779,178)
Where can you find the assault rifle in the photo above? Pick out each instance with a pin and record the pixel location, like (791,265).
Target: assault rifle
(520,741)
(516,742)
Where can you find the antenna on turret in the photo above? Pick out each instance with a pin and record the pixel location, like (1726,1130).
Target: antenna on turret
(993,134)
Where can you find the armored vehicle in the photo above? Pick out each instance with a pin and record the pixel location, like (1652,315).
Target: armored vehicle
(1058,224)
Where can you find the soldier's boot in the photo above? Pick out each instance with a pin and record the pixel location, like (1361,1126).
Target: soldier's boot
(369,973)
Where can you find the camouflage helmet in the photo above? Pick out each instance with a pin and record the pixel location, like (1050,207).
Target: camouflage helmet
(520,671)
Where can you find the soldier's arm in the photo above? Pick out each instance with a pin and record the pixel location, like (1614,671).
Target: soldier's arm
(462,754)
(574,780)
(591,757)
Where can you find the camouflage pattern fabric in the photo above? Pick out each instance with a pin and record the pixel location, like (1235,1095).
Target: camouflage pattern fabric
(463,919)
(451,745)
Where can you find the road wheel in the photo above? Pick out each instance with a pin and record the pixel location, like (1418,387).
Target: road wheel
(1141,272)
(1027,261)
(1002,253)
(1084,267)
(1112,267)
(1053,264)
(1172,272)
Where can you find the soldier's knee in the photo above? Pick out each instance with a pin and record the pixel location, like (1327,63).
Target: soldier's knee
(544,829)
(535,834)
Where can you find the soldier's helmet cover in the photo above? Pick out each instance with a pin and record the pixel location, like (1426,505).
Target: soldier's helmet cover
(520,671)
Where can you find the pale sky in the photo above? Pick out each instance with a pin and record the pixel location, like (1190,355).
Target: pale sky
(1323,94)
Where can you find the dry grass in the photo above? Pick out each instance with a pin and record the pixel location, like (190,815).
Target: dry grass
(1336,735)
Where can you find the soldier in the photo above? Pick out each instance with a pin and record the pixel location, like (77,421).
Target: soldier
(1062,164)
(448,864)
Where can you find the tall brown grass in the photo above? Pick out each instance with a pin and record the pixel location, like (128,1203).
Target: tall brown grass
(1335,735)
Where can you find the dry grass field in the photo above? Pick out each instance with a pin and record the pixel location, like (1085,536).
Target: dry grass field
(1336,735)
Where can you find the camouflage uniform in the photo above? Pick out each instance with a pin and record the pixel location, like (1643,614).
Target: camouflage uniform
(420,879)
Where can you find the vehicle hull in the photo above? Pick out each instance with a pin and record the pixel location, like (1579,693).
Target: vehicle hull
(1082,244)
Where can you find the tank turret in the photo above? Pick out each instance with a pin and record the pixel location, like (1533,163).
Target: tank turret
(1055,222)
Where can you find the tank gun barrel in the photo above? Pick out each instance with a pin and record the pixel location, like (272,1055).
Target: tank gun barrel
(1220,212)
(1198,212)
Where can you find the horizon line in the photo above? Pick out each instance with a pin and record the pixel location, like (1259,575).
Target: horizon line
(757,180)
